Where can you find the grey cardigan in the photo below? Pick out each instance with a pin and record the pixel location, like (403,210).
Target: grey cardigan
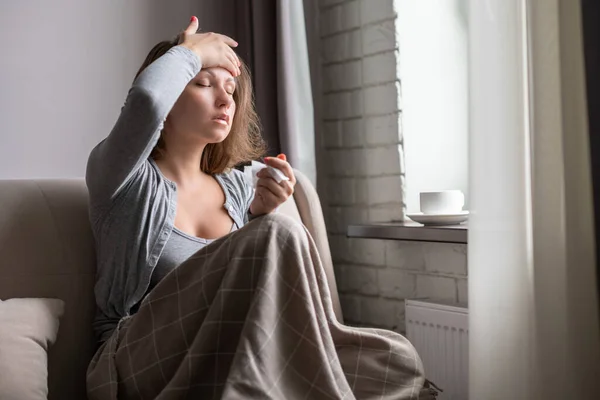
(132,205)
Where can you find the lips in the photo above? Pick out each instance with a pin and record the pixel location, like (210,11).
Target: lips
(222,117)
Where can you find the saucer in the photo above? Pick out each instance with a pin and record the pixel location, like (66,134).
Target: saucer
(440,219)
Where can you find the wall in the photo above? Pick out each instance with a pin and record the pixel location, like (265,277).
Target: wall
(364,170)
(65,68)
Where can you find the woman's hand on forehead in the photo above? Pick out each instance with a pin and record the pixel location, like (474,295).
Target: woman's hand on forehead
(213,49)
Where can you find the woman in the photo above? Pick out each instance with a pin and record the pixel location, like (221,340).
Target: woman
(197,297)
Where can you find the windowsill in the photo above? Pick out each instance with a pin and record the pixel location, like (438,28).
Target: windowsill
(410,231)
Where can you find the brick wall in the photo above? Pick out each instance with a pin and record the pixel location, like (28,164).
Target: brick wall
(364,171)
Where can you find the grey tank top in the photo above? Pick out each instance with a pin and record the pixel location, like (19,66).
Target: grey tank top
(179,247)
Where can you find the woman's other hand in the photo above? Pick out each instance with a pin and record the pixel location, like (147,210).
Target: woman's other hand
(269,194)
(214,49)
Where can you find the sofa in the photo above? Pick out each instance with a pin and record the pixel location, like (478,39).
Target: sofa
(47,251)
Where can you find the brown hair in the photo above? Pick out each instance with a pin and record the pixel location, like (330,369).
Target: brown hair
(244,142)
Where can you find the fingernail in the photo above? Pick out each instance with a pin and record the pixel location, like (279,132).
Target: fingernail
(193,18)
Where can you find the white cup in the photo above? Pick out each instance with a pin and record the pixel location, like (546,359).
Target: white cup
(443,202)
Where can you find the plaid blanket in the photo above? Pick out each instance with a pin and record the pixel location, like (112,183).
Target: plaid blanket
(250,317)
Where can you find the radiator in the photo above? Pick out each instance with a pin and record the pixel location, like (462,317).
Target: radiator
(440,333)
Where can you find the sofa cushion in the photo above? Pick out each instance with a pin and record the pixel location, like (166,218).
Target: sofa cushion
(47,251)
(28,326)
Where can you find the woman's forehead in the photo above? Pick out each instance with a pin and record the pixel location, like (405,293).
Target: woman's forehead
(216,72)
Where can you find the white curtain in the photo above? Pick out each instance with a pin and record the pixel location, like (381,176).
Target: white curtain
(294,94)
(533,302)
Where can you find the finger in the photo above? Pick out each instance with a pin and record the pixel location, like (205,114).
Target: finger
(228,41)
(229,65)
(192,27)
(282,157)
(288,187)
(282,165)
(235,57)
(234,61)
(273,187)
(267,197)
(263,173)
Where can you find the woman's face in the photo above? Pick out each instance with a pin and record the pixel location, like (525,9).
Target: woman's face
(205,109)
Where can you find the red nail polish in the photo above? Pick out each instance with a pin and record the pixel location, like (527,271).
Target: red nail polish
(192,19)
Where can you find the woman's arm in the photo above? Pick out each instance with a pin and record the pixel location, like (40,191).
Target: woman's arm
(116,159)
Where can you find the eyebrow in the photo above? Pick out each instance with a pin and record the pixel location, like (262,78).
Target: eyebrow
(230,79)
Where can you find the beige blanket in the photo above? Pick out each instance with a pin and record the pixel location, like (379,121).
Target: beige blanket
(250,317)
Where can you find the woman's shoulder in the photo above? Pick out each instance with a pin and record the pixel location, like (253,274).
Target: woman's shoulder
(237,184)
(236,178)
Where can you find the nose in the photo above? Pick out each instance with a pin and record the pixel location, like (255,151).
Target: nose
(224,99)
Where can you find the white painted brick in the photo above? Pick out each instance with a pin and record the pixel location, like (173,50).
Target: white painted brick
(352,133)
(334,221)
(342,76)
(340,217)
(386,189)
(380,68)
(367,251)
(396,284)
(338,244)
(341,191)
(346,162)
(327,3)
(463,292)
(338,162)
(354,44)
(358,161)
(405,255)
(446,258)
(386,212)
(353,215)
(381,312)
(359,279)
(332,132)
(355,108)
(371,11)
(337,268)
(336,48)
(362,191)
(345,46)
(331,21)
(383,129)
(350,307)
(334,105)
(400,326)
(351,15)
(343,105)
(436,287)
(351,75)
(382,160)
(327,83)
(379,37)
(382,99)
